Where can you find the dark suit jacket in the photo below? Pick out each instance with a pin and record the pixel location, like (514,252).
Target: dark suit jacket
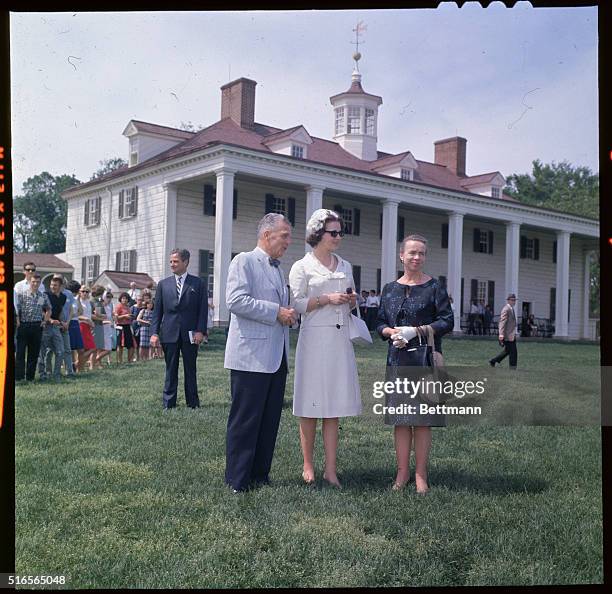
(172,317)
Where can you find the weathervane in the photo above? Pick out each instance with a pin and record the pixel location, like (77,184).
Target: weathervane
(358,30)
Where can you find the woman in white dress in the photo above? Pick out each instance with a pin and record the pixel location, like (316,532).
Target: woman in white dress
(326,387)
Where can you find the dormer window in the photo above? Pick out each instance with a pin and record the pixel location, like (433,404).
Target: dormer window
(133,152)
(406,174)
(495,193)
(297,151)
(370,123)
(354,120)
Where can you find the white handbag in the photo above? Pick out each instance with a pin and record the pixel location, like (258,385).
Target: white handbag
(358,330)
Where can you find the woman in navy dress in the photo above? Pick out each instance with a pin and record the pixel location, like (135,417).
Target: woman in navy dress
(415,299)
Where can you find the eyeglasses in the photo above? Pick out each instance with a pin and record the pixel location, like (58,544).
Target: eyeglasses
(30,269)
(334,233)
(84,291)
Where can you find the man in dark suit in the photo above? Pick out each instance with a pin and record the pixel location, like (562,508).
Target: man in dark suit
(181,307)
(507,333)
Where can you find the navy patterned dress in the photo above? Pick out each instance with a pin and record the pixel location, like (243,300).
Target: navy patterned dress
(414,305)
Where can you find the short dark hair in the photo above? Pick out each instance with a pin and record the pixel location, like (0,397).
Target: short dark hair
(182,254)
(58,277)
(315,238)
(122,295)
(36,275)
(29,264)
(74,286)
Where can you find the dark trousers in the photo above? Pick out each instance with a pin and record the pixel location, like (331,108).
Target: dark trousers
(29,336)
(509,351)
(371,314)
(171,355)
(257,402)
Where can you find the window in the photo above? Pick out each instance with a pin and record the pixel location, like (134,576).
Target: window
(554,252)
(210,201)
(284,206)
(483,241)
(339,120)
(481,293)
(297,151)
(530,248)
(370,124)
(90,268)
(133,152)
(406,174)
(351,218)
(125,261)
(495,192)
(92,211)
(128,202)
(445,235)
(354,120)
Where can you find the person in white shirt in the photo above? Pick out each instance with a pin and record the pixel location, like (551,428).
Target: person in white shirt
(372,304)
(23,286)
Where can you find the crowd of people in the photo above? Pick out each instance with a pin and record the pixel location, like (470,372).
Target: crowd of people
(72,328)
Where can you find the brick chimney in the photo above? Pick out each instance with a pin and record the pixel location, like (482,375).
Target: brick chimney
(451,153)
(238,102)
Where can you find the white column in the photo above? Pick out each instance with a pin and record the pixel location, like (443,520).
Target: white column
(513,247)
(455,260)
(223,242)
(561,302)
(170,192)
(110,265)
(314,201)
(586,296)
(388,262)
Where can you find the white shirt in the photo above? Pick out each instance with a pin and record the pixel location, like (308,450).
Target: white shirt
(372,301)
(23,286)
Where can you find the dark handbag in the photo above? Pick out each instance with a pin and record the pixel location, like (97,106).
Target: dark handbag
(420,355)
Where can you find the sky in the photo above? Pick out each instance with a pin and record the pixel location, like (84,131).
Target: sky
(519,84)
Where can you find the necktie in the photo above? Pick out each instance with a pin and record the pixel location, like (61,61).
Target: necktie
(274,262)
(179,284)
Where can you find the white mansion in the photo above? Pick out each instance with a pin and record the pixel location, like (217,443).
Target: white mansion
(206,191)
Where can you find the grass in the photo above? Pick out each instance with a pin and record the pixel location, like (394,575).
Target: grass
(111,492)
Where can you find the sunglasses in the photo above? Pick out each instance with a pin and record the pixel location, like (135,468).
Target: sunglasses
(334,233)
(30,269)
(84,291)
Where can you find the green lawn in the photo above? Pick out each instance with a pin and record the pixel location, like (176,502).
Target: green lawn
(111,492)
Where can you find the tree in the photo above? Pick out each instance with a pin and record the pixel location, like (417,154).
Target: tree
(560,186)
(107,166)
(40,213)
(190,127)
(567,188)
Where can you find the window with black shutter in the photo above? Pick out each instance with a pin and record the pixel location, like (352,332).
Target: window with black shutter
(553,304)
(210,200)
(291,210)
(118,258)
(133,260)
(476,241)
(378,282)
(235,205)
(473,290)
(269,203)
(554,252)
(445,235)
(121,200)
(462,293)
(491,294)
(523,252)
(380,227)
(86,216)
(490,242)
(400,228)
(357,277)
(569,304)
(536,248)
(83,269)
(356,221)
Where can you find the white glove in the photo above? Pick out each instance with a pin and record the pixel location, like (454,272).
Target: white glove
(405,334)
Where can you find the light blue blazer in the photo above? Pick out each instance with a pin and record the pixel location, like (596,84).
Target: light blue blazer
(254,295)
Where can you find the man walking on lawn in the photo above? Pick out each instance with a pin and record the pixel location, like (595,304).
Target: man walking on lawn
(507,334)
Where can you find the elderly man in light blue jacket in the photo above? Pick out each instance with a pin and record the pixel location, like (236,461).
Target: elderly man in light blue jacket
(256,353)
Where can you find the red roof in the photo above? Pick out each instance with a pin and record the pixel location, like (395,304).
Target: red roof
(123,279)
(321,151)
(483,178)
(41,261)
(165,130)
(356,89)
